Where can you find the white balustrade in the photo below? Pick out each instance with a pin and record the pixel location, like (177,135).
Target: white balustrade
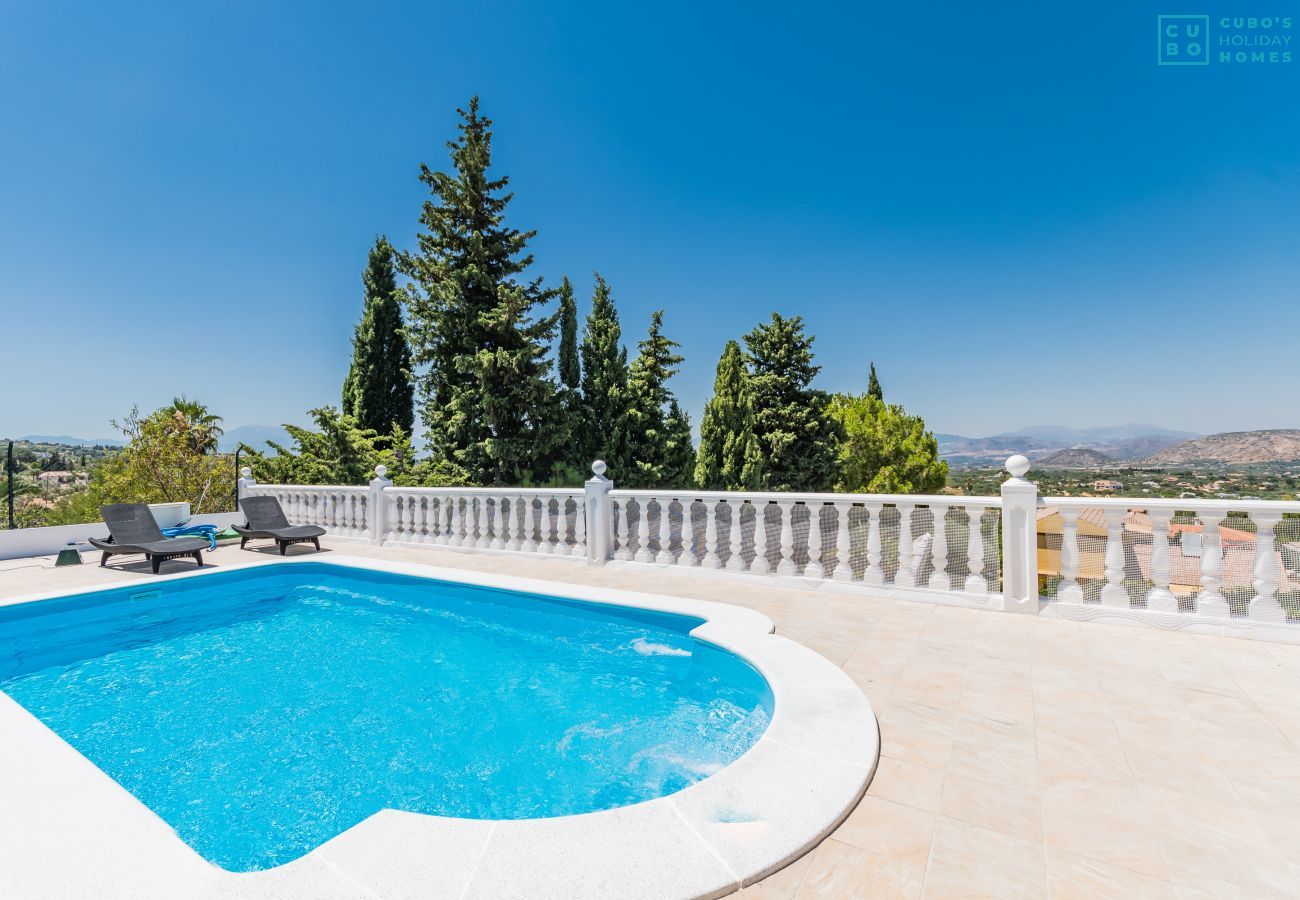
(1185,558)
(1230,561)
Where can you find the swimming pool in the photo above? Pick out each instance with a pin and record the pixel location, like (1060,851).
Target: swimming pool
(262,711)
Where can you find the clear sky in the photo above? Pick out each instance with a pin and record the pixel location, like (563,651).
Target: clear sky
(1009,207)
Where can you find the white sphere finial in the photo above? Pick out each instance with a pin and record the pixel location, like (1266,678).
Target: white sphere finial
(381,470)
(246,472)
(1017,465)
(599,467)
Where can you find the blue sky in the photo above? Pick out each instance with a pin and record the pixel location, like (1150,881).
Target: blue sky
(1012,209)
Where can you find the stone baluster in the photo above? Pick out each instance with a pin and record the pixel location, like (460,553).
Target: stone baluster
(1160,598)
(624,551)
(873,574)
(814,569)
(1209,602)
(1114,594)
(939,580)
(1069,590)
(643,552)
(496,520)
(521,522)
(665,555)
(976,583)
(579,527)
(550,544)
(843,544)
(759,565)
(527,541)
(906,574)
(691,537)
(711,558)
(1264,606)
(735,537)
(786,566)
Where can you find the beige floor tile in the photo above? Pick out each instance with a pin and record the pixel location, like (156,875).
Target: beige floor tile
(782,885)
(1071,877)
(1112,829)
(968,861)
(976,802)
(841,872)
(907,783)
(887,828)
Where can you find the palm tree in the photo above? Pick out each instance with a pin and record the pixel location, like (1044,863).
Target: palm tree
(192,420)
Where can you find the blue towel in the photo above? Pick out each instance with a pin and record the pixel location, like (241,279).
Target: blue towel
(205,531)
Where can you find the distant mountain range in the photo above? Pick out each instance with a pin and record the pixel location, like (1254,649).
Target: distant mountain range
(1056,447)
(69,441)
(254,436)
(1117,442)
(1233,448)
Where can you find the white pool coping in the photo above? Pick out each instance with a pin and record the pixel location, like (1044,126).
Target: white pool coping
(66,828)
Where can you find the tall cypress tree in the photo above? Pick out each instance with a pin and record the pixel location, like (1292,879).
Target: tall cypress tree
(603,433)
(570,369)
(729,457)
(377,392)
(485,393)
(796,437)
(657,457)
(873,385)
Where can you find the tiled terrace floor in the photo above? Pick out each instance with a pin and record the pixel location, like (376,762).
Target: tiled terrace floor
(1021,756)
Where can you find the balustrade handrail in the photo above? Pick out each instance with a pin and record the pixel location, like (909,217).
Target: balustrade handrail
(1185,504)
(792,497)
(353,488)
(489,491)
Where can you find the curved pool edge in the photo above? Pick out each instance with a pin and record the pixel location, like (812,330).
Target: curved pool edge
(784,795)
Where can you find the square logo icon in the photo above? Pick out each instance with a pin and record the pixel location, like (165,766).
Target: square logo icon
(1182,40)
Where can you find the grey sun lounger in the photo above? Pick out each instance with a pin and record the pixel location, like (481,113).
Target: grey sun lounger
(266,520)
(133,529)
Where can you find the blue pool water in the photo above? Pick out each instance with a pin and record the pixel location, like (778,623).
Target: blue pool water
(262,711)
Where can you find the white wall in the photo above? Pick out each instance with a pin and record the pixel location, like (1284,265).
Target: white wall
(48,541)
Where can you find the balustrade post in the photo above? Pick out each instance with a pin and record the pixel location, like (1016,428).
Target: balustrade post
(939,580)
(1114,593)
(376,522)
(1209,602)
(735,538)
(786,565)
(665,555)
(1160,598)
(906,574)
(243,485)
(814,569)
(1019,539)
(1264,607)
(759,564)
(873,574)
(1069,590)
(599,514)
(843,544)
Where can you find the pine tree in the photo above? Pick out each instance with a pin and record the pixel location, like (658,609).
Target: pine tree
(603,430)
(883,449)
(873,385)
(485,394)
(569,466)
(729,457)
(377,393)
(796,438)
(657,453)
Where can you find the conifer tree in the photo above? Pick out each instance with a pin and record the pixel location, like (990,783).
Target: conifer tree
(729,457)
(570,369)
(377,393)
(486,397)
(796,438)
(873,385)
(603,430)
(658,456)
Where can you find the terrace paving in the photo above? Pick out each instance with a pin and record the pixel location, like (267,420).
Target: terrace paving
(1021,756)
